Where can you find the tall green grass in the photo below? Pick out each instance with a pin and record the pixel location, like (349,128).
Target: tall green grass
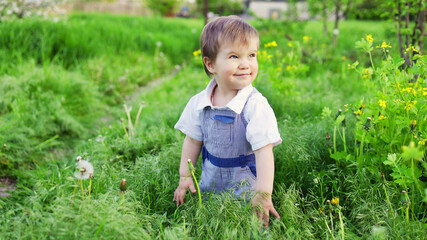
(49,104)
(82,37)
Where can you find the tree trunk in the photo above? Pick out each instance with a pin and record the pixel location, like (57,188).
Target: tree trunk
(337,19)
(205,10)
(325,18)
(420,27)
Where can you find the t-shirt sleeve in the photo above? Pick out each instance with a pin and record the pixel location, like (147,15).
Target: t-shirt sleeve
(189,122)
(262,123)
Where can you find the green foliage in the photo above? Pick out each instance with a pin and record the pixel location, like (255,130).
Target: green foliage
(392,124)
(162,7)
(367,10)
(222,7)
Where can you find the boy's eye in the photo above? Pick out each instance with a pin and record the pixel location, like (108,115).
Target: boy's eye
(252,55)
(233,56)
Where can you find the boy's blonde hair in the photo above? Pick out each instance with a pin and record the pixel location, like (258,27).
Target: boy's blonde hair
(224,30)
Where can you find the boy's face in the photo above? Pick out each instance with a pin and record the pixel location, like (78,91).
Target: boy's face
(236,65)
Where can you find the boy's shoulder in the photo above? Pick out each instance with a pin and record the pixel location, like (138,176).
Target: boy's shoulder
(256,98)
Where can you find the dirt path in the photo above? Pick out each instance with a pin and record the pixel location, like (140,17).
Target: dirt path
(135,94)
(7,185)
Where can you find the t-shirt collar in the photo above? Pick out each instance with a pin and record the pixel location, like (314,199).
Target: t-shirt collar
(236,104)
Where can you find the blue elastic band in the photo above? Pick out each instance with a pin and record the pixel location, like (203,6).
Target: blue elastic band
(241,161)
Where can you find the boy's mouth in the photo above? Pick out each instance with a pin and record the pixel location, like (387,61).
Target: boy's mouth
(242,74)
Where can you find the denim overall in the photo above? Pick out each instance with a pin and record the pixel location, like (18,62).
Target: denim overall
(228,159)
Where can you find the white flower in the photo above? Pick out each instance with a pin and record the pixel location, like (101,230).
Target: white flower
(316,180)
(84,170)
(100,138)
(159,44)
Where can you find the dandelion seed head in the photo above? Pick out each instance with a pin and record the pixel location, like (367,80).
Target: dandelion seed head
(100,138)
(84,170)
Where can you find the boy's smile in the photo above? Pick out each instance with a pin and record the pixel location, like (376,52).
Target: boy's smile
(235,66)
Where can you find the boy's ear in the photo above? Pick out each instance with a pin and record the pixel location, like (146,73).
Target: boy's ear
(209,64)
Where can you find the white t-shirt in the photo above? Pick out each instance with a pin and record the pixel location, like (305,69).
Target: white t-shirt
(262,124)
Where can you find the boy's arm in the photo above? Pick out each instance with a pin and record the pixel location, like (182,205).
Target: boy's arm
(190,150)
(264,183)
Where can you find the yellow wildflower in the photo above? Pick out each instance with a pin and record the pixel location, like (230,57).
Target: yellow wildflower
(264,53)
(384,45)
(367,72)
(422,142)
(197,53)
(413,49)
(382,103)
(346,105)
(369,38)
(335,201)
(382,117)
(271,44)
(358,112)
(288,68)
(343,58)
(279,69)
(290,44)
(306,38)
(409,106)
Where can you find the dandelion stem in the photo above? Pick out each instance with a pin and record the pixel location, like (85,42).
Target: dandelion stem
(74,194)
(329,229)
(90,187)
(192,169)
(335,139)
(343,139)
(388,199)
(341,223)
(372,62)
(124,128)
(198,189)
(130,126)
(81,185)
(123,201)
(361,161)
(139,113)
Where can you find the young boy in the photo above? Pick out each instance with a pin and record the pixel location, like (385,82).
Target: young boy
(230,122)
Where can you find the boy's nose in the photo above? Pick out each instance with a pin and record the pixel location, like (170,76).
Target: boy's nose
(244,63)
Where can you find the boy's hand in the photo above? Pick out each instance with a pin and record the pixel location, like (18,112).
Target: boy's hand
(263,205)
(184,183)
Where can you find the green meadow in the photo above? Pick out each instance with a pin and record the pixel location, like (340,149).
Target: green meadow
(110,88)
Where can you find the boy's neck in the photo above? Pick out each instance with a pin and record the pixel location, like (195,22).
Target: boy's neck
(221,98)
